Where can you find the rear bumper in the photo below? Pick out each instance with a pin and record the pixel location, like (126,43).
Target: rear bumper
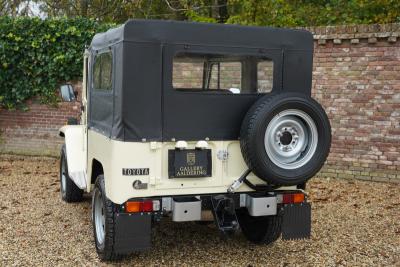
(189,207)
(133,230)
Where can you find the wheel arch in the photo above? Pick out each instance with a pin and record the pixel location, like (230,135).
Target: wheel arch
(75,153)
(96,170)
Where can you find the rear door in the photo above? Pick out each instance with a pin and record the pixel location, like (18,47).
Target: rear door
(192,113)
(211,109)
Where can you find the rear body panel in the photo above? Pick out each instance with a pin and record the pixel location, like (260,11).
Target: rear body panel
(116,156)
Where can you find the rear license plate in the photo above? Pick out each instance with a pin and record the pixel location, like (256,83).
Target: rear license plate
(189,163)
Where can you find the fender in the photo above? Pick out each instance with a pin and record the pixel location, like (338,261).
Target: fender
(76,153)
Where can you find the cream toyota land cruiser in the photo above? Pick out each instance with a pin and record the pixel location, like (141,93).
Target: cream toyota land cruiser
(183,120)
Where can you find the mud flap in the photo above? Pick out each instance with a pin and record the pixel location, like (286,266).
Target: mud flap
(132,233)
(296,222)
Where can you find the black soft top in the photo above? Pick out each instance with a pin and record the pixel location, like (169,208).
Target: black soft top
(176,32)
(144,106)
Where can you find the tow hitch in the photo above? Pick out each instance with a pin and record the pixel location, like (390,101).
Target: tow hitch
(223,209)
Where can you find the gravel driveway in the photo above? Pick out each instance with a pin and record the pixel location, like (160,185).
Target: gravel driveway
(355,223)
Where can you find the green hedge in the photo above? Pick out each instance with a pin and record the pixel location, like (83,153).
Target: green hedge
(37,55)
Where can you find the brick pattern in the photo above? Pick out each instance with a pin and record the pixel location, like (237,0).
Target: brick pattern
(189,75)
(356,78)
(354,33)
(36,131)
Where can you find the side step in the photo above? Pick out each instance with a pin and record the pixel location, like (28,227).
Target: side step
(223,209)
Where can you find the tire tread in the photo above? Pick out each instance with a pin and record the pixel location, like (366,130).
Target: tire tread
(260,230)
(251,124)
(108,253)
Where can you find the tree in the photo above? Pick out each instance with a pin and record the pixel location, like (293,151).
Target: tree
(102,10)
(11,8)
(313,12)
(121,10)
(281,13)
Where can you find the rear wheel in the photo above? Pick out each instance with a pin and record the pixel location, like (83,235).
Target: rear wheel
(69,191)
(259,230)
(103,217)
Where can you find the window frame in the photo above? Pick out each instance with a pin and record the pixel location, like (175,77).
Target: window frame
(97,54)
(171,51)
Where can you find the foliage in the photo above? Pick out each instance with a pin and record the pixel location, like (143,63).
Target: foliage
(284,13)
(249,12)
(37,55)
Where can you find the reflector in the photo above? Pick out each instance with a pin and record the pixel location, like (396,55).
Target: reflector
(156,205)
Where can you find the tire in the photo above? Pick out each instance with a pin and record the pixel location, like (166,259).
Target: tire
(69,191)
(285,138)
(260,230)
(103,214)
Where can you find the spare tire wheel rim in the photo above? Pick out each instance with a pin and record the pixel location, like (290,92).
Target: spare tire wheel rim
(291,139)
(99,217)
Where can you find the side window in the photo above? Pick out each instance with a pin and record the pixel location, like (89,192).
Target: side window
(264,76)
(234,74)
(102,71)
(226,75)
(187,73)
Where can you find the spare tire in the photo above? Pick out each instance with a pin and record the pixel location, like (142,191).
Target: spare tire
(285,138)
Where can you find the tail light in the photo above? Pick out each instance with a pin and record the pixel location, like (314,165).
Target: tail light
(147,206)
(132,206)
(142,206)
(292,198)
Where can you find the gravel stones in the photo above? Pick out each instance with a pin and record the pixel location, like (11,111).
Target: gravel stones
(355,223)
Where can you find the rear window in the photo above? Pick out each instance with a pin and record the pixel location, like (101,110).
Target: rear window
(222,73)
(102,71)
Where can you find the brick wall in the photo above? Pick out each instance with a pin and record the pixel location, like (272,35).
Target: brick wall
(36,131)
(188,74)
(356,78)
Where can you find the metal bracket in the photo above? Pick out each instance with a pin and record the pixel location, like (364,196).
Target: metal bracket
(223,155)
(224,214)
(237,183)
